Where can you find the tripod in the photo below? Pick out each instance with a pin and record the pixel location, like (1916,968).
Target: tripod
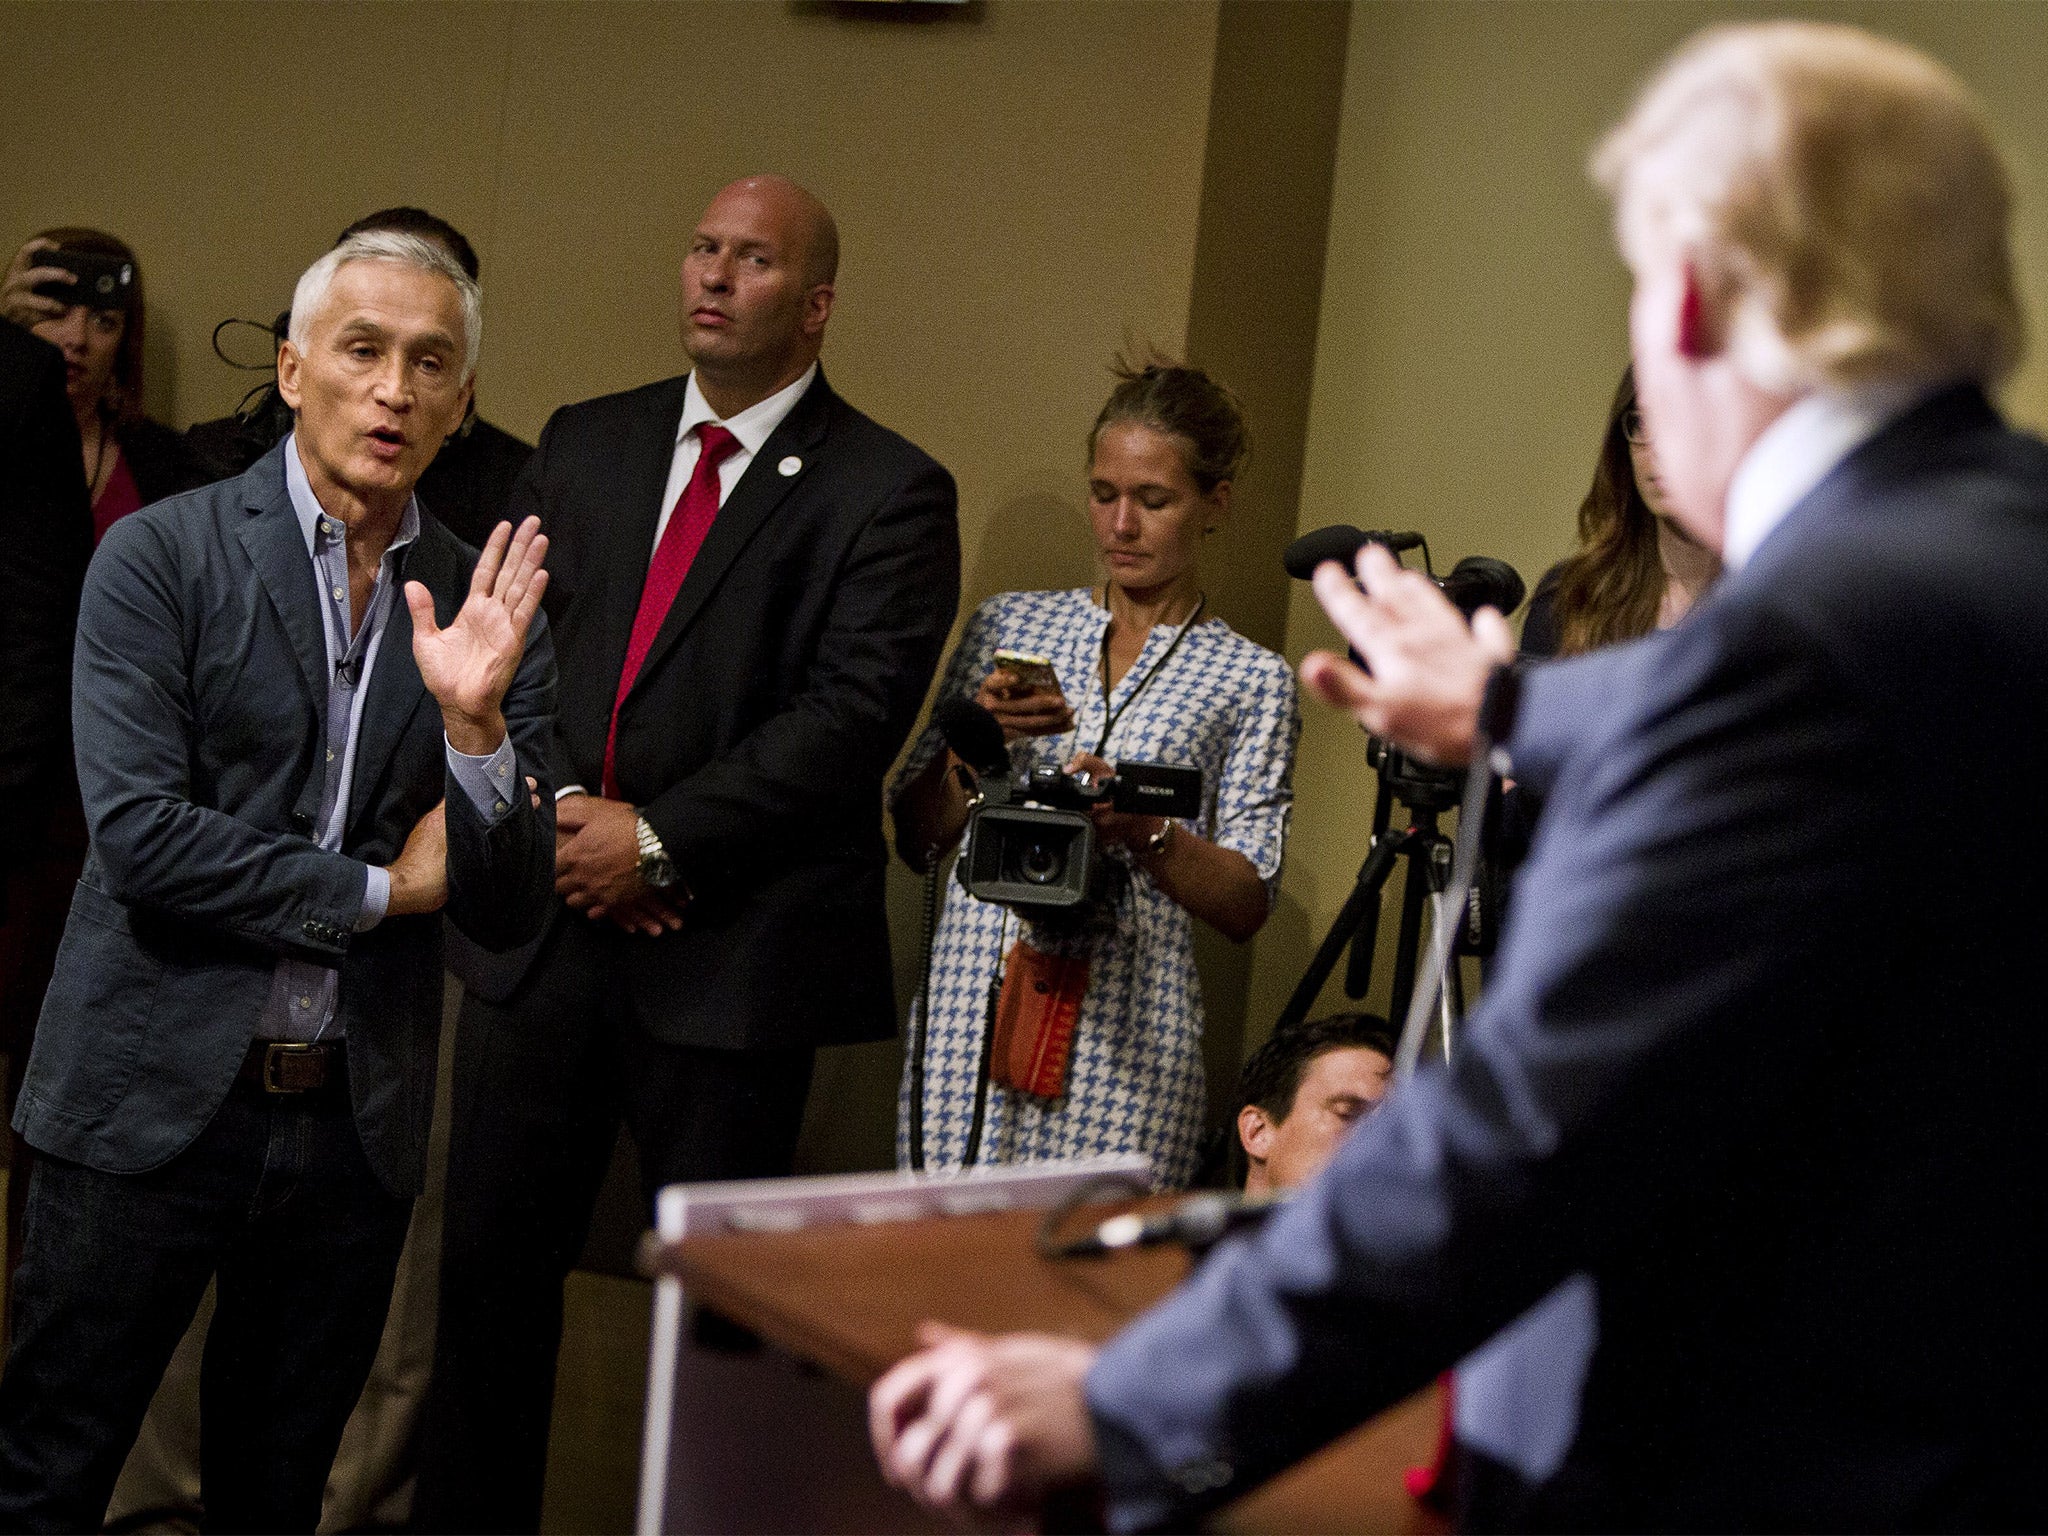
(1427,793)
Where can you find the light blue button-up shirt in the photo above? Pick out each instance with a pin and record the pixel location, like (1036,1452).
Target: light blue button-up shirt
(304,994)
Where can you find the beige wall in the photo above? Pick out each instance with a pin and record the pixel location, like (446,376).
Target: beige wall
(1024,186)
(1018,185)
(1473,315)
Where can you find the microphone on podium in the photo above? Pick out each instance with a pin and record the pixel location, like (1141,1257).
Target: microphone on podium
(1198,1222)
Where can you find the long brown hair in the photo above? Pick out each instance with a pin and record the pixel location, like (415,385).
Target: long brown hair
(124,401)
(1613,587)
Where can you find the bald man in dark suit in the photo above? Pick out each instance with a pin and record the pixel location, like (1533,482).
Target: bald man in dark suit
(753,582)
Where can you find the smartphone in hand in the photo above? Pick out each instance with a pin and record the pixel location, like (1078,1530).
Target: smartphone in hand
(98,281)
(1034,674)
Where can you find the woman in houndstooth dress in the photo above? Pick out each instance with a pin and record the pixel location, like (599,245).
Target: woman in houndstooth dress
(1182,688)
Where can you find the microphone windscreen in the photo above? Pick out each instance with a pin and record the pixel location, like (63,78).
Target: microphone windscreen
(974,735)
(1480,581)
(1338,542)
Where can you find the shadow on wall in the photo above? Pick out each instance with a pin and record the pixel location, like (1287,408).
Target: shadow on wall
(1034,543)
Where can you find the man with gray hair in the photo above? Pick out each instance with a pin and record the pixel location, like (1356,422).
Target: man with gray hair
(234,1067)
(1755,1055)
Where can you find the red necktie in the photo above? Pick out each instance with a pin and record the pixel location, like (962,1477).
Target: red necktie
(680,541)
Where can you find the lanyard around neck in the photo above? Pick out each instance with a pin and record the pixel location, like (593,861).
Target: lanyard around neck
(1111,716)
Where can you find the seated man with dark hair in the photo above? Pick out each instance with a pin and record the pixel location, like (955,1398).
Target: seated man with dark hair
(1304,1089)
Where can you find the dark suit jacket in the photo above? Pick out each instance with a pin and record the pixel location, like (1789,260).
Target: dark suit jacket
(469,484)
(45,542)
(776,694)
(1762,1053)
(160,459)
(199,696)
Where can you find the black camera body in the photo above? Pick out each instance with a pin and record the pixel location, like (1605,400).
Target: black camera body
(98,281)
(1030,841)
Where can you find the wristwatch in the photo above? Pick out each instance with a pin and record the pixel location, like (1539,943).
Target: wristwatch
(1157,842)
(656,867)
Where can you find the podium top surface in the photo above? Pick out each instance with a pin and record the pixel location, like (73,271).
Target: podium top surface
(850,1298)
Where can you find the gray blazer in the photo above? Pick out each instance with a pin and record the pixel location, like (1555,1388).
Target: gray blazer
(199,694)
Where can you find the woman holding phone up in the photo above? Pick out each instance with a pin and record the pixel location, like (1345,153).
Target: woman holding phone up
(130,460)
(1098,1014)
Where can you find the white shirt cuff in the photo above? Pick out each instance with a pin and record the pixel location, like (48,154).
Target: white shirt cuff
(376,898)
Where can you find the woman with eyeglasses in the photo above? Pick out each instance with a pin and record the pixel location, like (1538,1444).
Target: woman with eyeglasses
(1636,570)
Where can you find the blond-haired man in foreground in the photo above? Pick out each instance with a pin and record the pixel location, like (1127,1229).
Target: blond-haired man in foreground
(1750,1056)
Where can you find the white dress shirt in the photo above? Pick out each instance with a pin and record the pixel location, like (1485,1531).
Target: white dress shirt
(1797,452)
(753,427)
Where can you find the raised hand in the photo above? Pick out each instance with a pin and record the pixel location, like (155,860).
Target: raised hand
(1429,669)
(19,300)
(468,666)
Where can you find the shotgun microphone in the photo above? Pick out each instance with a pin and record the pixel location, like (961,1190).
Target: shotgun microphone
(974,735)
(1198,1222)
(1340,541)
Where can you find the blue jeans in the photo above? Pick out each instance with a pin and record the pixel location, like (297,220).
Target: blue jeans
(276,1200)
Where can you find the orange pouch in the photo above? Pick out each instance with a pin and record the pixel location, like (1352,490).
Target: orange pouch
(1035,1016)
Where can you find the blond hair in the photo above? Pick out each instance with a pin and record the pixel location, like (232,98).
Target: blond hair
(1840,190)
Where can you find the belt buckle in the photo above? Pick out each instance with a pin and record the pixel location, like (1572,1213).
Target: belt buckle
(292,1066)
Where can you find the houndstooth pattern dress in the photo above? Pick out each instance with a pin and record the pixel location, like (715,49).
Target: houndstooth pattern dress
(1134,1082)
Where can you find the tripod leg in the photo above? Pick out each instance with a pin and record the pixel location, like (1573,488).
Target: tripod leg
(1450,999)
(1361,904)
(1415,890)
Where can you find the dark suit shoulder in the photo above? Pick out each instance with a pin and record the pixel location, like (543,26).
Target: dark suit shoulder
(609,413)
(441,547)
(1932,517)
(26,364)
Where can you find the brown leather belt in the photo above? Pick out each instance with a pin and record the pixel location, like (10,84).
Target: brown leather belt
(288,1066)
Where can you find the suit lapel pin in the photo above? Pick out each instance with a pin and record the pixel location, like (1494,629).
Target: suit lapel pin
(789,466)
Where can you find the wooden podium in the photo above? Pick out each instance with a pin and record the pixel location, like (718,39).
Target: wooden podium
(774,1438)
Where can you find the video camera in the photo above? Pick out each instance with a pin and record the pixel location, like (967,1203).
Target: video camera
(1030,840)
(1477,581)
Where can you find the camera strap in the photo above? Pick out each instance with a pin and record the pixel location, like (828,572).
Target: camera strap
(1111,716)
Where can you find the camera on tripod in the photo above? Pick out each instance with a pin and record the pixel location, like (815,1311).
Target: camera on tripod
(1030,840)
(1427,792)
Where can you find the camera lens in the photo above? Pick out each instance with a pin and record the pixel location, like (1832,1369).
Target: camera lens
(1040,864)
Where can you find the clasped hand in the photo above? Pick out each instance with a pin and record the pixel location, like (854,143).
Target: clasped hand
(982,1428)
(597,867)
